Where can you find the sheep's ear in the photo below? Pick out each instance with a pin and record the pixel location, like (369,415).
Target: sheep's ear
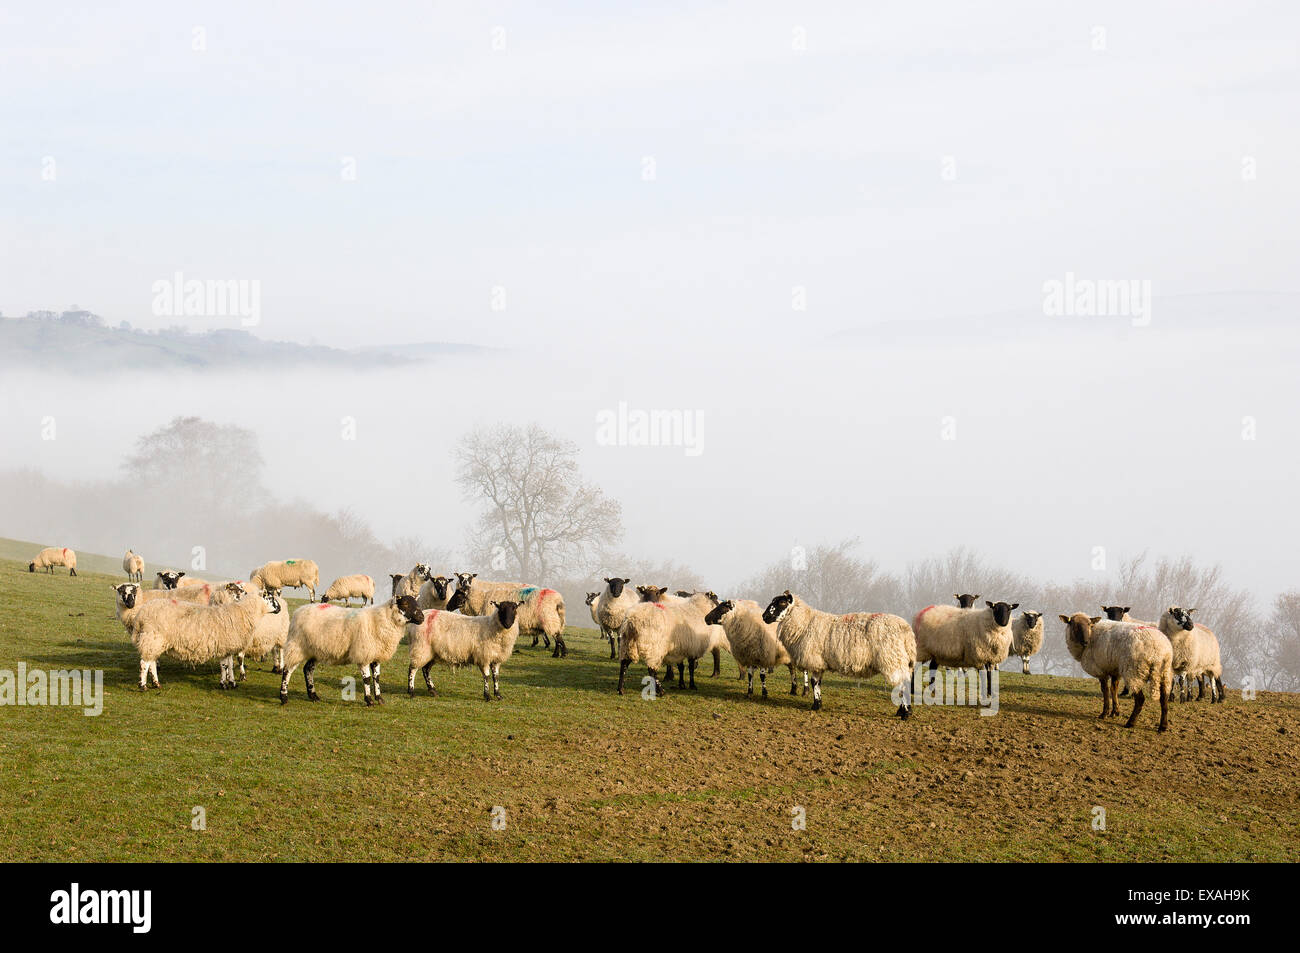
(1015,605)
(1096,619)
(1128,608)
(1065,619)
(179,574)
(787,593)
(1190,611)
(989,604)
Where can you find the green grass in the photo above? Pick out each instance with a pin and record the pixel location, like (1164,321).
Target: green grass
(583,774)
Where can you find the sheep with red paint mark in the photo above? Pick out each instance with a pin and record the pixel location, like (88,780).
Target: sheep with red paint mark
(454,639)
(53,556)
(666,631)
(541,611)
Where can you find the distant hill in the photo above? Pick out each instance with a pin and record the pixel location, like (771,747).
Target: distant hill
(79,342)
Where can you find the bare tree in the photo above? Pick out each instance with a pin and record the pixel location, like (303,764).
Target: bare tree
(826,577)
(538,515)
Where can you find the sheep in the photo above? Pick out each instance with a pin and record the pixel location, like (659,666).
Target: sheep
(130,596)
(53,556)
(133,566)
(1129,652)
(861,644)
(1196,653)
(435,593)
(719,638)
(1027,636)
(447,636)
(168,579)
(666,631)
(409,585)
(964,638)
(611,608)
(197,633)
(396,578)
(287,574)
(333,635)
(1121,614)
(541,611)
(345,588)
(479,593)
(965,600)
(753,643)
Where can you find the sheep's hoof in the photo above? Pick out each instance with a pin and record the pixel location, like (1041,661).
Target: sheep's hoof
(1162,728)
(487,697)
(794,690)
(284,698)
(379,699)
(410,693)
(764,692)
(497,696)
(313,697)
(750,690)
(555,654)
(817,704)
(369,701)
(904,712)
(693,686)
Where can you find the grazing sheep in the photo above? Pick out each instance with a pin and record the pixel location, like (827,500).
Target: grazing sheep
(1027,636)
(965,600)
(345,588)
(133,566)
(541,611)
(334,635)
(435,593)
(196,633)
(753,643)
(673,632)
(611,608)
(287,574)
(53,556)
(1129,652)
(447,636)
(409,585)
(1196,653)
(861,644)
(964,638)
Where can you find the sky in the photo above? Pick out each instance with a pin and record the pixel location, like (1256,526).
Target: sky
(792,219)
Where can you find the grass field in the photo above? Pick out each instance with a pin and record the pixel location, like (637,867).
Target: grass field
(583,774)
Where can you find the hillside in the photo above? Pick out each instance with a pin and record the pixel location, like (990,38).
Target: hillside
(584,774)
(52,344)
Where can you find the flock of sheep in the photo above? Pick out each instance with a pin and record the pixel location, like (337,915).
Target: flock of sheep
(462,620)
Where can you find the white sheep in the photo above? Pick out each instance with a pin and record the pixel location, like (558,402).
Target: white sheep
(541,611)
(753,643)
(611,609)
(860,644)
(964,638)
(133,566)
(130,596)
(435,593)
(1112,652)
(196,633)
(287,574)
(1196,653)
(479,593)
(455,639)
(345,588)
(53,556)
(1026,636)
(334,635)
(667,632)
(409,585)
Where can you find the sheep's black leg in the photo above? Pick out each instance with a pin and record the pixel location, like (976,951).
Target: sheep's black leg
(1200,681)
(308,674)
(1138,699)
(762,677)
(1105,696)
(988,675)
(681,674)
(612,653)
(534,645)
(486,696)
(622,674)
(817,692)
(1219,681)
(905,706)
(717,663)
(1164,708)
(693,663)
(749,673)
(428,682)
(654,677)
(284,686)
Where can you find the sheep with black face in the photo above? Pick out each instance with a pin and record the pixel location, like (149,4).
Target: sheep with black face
(964,638)
(454,639)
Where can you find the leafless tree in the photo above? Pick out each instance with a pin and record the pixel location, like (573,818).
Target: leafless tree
(830,578)
(538,515)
